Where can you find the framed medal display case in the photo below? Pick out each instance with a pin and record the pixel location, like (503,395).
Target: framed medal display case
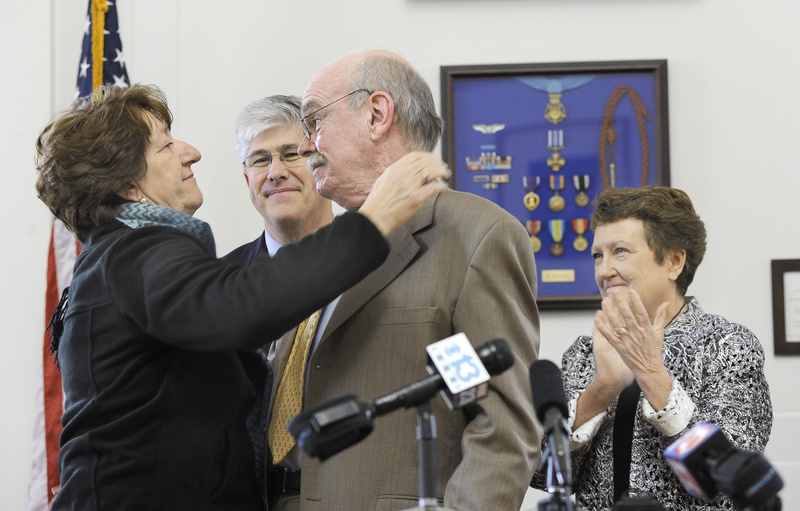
(786,306)
(540,140)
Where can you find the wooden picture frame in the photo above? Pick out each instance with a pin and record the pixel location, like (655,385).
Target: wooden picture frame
(536,137)
(786,306)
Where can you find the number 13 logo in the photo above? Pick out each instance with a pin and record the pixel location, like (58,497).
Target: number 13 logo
(464,367)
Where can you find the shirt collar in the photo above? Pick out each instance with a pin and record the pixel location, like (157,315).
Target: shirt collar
(272,245)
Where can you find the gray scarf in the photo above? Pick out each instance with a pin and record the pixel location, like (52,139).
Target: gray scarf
(136,214)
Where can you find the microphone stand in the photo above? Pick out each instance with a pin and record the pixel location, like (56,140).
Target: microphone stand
(559,499)
(560,491)
(426,439)
(559,471)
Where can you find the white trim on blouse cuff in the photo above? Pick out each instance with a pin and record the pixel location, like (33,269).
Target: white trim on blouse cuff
(670,421)
(674,417)
(588,429)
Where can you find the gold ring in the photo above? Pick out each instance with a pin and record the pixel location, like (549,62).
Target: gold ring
(622,331)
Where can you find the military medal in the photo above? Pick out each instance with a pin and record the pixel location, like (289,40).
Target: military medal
(557,232)
(534,226)
(555,143)
(489,160)
(556,161)
(531,200)
(555,111)
(555,140)
(557,203)
(581,184)
(579,225)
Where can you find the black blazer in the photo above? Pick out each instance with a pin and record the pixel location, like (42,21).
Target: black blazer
(155,395)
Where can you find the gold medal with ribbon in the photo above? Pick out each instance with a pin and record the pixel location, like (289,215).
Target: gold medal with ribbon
(555,111)
(581,184)
(557,203)
(579,225)
(534,226)
(531,200)
(555,143)
(556,228)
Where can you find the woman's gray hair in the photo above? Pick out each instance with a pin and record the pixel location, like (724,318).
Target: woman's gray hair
(266,113)
(413,100)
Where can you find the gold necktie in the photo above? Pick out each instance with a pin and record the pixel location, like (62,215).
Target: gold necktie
(289,396)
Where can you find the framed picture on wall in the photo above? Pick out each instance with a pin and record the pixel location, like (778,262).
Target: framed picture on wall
(786,306)
(540,140)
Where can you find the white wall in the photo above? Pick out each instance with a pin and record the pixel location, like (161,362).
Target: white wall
(25,104)
(733,124)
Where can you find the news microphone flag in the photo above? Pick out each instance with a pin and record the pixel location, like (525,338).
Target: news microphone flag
(686,452)
(466,377)
(101,62)
(706,463)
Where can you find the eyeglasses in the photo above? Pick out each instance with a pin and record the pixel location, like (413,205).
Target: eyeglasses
(289,157)
(309,124)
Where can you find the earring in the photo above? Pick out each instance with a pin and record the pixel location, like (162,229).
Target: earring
(143,200)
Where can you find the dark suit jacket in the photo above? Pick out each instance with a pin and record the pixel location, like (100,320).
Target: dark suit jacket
(461,264)
(258,370)
(245,254)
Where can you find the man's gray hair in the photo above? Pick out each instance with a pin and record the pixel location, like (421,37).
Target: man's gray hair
(266,113)
(413,101)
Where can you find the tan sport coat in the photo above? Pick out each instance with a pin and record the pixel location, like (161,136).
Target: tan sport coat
(461,264)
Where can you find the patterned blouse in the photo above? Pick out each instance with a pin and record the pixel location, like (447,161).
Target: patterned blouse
(718,377)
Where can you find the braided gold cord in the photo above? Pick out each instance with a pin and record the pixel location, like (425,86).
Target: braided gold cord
(608,136)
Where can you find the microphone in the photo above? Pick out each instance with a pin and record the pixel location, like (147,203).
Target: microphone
(451,367)
(550,404)
(331,427)
(706,463)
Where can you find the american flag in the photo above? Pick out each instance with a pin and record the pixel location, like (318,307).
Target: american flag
(112,69)
(100,37)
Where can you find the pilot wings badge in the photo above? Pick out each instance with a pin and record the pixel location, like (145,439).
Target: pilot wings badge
(488,129)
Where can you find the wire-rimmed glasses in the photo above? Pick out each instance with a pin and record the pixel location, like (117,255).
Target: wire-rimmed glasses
(309,123)
(263,160)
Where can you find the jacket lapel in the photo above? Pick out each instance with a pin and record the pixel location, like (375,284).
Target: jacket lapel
(404,248)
